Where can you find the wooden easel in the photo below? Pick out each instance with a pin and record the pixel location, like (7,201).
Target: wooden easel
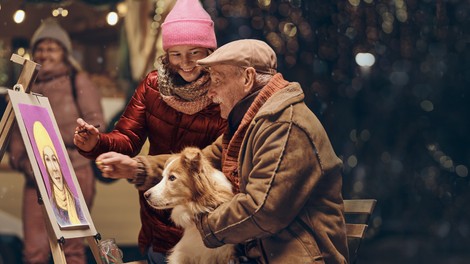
(27,76)
(57,237)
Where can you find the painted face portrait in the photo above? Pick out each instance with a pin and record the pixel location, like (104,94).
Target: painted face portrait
(52,176)
(64,203)
(53,167)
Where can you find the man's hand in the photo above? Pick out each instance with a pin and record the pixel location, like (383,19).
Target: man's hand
(117,166)
(86,136)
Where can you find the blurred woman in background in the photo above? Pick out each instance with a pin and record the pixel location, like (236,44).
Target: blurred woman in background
(71,95)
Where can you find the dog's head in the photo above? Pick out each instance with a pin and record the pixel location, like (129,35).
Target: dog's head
(188,177)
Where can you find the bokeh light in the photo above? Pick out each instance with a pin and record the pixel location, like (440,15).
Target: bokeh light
(112,18)
(19,16)
(365,59)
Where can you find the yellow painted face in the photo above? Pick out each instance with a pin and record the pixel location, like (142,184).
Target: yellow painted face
(53,167)
(48,154)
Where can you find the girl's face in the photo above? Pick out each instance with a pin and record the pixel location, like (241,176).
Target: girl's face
(183,61)
(48,52)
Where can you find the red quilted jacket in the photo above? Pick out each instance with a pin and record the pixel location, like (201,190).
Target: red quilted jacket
(168,131)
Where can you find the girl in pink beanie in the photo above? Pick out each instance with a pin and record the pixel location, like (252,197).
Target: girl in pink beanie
(171,108)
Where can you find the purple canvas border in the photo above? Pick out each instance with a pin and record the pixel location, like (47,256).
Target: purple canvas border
(31,114)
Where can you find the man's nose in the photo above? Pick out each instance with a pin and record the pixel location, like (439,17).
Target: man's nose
(210,91)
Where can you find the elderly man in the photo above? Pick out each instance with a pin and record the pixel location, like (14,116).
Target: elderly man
(288,207)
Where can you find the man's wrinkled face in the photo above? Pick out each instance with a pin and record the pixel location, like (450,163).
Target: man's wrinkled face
(227,87)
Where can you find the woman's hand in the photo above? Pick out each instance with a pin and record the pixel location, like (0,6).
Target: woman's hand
(117,166)
(86,136)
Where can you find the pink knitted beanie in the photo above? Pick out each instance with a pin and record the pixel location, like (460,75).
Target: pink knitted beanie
(188,24)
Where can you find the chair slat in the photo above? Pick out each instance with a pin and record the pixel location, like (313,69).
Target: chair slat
(364,206)
(357,213)
(356,230)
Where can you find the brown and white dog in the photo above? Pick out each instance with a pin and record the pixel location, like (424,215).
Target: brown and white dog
(191,186)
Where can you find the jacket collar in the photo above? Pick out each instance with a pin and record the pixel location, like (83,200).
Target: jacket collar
(279,101)
(236,115)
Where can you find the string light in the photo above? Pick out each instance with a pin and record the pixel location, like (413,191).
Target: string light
(112,18)
(157,23)
(60,12)
(121,9)
(19,15)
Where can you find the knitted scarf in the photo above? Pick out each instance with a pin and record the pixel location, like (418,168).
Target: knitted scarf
(189,98)
(65,201)
(231,146)
(55,71)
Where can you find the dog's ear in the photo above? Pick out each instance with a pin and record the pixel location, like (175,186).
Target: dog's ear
(191,158)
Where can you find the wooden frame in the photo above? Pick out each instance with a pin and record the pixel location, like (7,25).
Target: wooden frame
(47,153)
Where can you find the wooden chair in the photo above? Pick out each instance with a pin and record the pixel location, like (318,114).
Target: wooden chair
(357,213)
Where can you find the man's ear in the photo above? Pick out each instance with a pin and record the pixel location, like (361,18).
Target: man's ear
(249,74)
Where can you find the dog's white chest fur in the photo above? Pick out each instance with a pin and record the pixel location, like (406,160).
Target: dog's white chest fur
(191,250)
(190,186)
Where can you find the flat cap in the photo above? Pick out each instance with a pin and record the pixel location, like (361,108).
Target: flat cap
(244,53)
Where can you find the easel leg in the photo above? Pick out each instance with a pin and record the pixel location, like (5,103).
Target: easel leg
(57,249)
(5,125)
(92,243)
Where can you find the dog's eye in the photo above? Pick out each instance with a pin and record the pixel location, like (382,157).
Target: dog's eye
(172,177)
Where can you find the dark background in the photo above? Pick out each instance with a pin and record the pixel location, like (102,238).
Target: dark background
(402,129)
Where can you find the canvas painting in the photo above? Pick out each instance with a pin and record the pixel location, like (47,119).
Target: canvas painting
(51,159)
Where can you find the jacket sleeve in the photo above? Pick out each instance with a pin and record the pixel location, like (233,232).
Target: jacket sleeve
(130,132)
(213,153)
(152,171)
(154,165)
(285,171)
(18,157)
